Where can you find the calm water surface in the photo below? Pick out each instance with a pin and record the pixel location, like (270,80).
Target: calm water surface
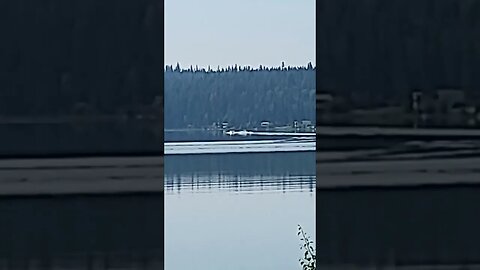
(237,211)
(78,232)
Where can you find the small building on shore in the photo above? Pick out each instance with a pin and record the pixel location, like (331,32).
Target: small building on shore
(265,124)
(306,124)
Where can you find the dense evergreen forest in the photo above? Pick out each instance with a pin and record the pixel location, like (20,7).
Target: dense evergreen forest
(61,57)
(242,96)
(377,51)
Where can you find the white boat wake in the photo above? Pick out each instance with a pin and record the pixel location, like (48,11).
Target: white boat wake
(250,146)
(268,133)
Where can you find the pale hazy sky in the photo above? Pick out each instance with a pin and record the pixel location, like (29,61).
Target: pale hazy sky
(244,32)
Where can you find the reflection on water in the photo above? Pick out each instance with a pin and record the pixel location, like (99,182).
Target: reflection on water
(237,211)
(236,183)
(90,261)
(293,163)
(98,232)
(259,172)
(427,227)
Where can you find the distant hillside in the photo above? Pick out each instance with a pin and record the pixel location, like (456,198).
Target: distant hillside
(377,51)
(240,95)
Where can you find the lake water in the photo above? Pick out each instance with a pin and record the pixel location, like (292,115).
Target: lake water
(198,135)
(433,226)
(82,232)
(238,211)
(295,144)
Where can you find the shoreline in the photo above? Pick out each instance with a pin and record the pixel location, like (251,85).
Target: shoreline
(398,173)
(81,176)
(373,131)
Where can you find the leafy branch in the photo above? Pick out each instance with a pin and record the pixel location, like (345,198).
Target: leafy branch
(308,259)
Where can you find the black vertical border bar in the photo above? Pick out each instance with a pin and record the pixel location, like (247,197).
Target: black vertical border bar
(162,117)
(161,46)
(412,225)
(81,223)
(50,35)
(317,70)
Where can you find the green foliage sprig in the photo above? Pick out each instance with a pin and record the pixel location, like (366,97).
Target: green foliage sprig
(308,258)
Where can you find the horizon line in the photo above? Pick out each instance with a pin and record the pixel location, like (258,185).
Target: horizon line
(213,68)
(225,66)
